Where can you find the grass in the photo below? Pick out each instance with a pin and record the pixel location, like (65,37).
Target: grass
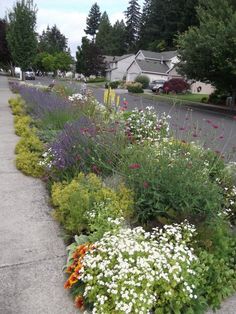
(182,98)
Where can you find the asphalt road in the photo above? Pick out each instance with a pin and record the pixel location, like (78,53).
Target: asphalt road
(209,128)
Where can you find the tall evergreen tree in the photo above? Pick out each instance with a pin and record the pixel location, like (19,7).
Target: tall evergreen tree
(103,37)
(93,20)
(52,41)
(21,35)
(89,58)
(132,15)
(162,21)
(118,39)
(145,17)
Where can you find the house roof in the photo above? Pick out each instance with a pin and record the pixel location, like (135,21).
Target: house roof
(152,66)
(165,55)
(110,59)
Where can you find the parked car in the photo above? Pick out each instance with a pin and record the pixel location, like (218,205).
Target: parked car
(29,74)
(176,85)
(157,85)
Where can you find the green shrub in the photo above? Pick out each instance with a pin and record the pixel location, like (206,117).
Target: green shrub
(217,276)
(29,163)
(17,106)
(22,124)
(204,100)
(30,143)
(112,85)
(144,80)
(135,88)
(85,204)
(171,184)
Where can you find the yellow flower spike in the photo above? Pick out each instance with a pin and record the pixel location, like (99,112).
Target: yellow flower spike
(117,101)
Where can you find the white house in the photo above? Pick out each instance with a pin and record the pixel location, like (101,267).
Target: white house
(117,66)
(161,66)
(155,65)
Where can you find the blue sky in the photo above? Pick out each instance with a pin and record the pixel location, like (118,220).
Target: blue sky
(70,15)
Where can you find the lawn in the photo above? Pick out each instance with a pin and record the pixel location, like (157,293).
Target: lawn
(186,97)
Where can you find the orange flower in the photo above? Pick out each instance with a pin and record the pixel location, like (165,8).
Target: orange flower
(79,302)
(67,284)
(73,279)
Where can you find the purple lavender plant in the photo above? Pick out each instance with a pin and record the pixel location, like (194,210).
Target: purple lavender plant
(40,102)
(72,146)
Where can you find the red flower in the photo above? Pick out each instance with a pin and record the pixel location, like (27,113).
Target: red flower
(79,302)
(182,129)
(134,166)
(215,126)
(145,184)
(208,121)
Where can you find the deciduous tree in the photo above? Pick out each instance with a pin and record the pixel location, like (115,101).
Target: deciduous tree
(208,51)
(21,35)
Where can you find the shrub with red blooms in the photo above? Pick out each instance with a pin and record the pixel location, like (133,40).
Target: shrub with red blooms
(176,85)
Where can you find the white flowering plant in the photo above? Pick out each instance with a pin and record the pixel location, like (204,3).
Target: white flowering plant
(145,124)
(134,271)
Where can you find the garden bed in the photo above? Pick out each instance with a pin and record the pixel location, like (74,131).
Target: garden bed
(148,219)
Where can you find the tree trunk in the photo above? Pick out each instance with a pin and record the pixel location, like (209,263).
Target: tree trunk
(23,76)
(232,105)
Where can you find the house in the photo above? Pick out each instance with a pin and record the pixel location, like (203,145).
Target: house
(116,67)
(161,66)
(155,65)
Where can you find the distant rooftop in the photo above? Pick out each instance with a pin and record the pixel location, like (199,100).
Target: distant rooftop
(152,66)
(165,55)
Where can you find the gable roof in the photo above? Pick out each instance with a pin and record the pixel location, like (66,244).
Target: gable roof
(111,59)
(165,55)
(152,66)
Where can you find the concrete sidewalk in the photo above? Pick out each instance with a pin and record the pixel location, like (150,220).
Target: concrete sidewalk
(32,251)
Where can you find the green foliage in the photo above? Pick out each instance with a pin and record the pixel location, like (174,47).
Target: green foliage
(5,55)
(144,80)
(132,15)
(17,106)
(21,34)
(160,23)
(93,20)
(217,276)
(204,49)
(190,194)
(89,58)
(100,79)
(79,202)
(22,124)
(103,36)
(29,163)
(112,85)
(29,143)
(135,88)
(52,41)
(117,45)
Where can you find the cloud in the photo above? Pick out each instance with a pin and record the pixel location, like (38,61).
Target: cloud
(70,16)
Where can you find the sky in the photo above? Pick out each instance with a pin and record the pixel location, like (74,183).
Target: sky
(70,15)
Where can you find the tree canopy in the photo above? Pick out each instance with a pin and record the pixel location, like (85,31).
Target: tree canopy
(93,20)
(132,15)
(52,41)
(21,35)
(208,51)
(5,55)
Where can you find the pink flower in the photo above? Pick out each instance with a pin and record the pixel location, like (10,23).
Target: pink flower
(145,184)
(182,129)
(215,126)
(209,121)
(134,166)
